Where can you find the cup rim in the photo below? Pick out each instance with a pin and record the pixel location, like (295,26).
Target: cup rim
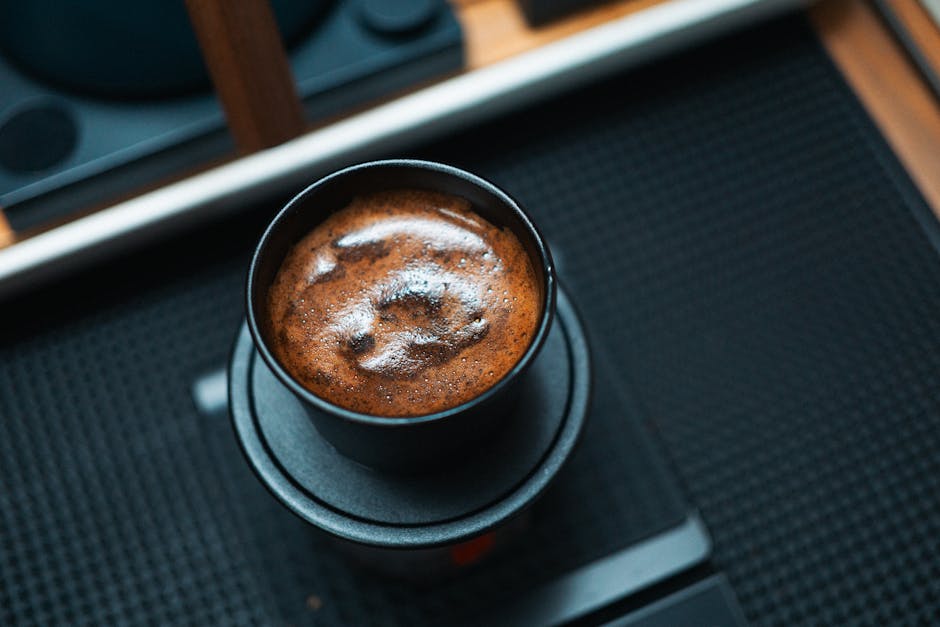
(545,321)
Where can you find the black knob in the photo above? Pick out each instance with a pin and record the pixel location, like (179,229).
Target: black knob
(397,17)
(37,138)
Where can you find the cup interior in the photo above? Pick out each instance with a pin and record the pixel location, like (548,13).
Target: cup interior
(334,192)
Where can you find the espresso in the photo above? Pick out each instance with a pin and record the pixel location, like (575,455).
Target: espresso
(404,303)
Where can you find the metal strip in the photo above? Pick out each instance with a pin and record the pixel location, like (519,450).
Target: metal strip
(443,107)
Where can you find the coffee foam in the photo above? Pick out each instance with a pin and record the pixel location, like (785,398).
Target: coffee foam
(404,303)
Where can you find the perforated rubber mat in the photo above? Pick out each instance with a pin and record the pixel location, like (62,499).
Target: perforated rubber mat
(749,257)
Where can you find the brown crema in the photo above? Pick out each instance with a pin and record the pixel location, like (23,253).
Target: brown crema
(404,303)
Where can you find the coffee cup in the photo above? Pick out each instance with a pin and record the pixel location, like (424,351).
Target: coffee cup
(392,442)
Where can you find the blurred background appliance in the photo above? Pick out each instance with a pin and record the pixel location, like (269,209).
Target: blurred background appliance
(101,98)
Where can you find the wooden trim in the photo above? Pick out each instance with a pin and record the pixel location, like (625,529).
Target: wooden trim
(925,33)
(6,231)
(888,85)
(245,56)
(496,29)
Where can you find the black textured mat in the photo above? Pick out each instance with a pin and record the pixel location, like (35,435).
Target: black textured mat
(744,248)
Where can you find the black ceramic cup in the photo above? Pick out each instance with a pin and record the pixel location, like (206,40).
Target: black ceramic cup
(394,443)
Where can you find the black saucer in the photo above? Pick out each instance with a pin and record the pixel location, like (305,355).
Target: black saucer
(358,503)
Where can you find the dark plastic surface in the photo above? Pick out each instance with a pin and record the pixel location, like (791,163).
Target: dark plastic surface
(758,282)
(414,444)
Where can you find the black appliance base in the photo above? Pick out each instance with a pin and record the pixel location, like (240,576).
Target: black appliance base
(446,505)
